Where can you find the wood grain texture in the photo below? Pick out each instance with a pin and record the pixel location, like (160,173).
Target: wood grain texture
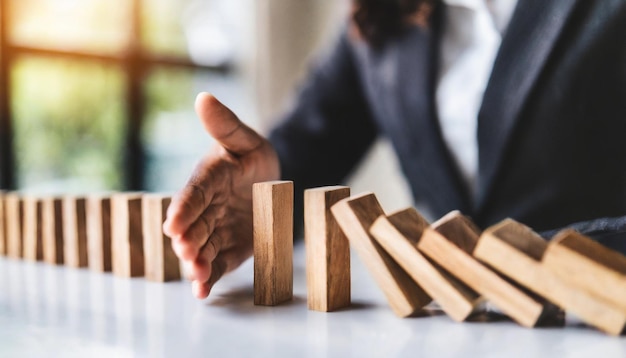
(161,263)
(355,216)
(14,214)
(99,245)
(272,207)
(399,234)
(451,242)
(327,250)
(516,251)
(74,231)
(126,235)
(588,265)
(3,231)
(52,230)
(33,240)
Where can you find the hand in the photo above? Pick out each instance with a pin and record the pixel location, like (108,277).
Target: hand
(210,219)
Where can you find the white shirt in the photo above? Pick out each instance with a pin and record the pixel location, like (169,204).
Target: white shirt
(471,37)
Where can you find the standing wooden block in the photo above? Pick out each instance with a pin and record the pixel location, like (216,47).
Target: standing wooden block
(33,240)
(355,215)
(14,215)
(450,242)
(588,265)
(3,232)
(327,250)
(399,234)
(272,208)
(160,260)
(74,231)
(516,251)
(52,230)
(99,233)
(126,235)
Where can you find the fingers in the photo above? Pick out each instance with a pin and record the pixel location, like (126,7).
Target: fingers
(188,246)
(210,178)
(225,127)
(202,269)
(223,264)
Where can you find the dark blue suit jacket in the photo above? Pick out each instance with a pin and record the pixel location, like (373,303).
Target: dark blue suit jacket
(551,129)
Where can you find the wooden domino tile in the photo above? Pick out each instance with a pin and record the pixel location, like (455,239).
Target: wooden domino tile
(126,235)
(52,230)
(588,265)
(161,263)
(14,214)
(327,251)
(450,242)
(74,231)
(516,251)
(355,215)
(3,233)
(99,233)
(399,234)
(33,241)
(272,207)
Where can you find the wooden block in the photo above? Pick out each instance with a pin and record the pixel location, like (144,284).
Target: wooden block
(327,250)
(588,265)
(3,232)
(399,234)
(33,241)
(52,230)
(272,208)
(161,263)
(14,215)
(99,233)
(126,235)
(74,231)
(450,242)
(516,251)
(355,215)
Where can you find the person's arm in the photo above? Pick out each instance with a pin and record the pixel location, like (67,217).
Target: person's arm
(327,132)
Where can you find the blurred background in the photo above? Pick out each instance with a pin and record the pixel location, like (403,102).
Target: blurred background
(97,95)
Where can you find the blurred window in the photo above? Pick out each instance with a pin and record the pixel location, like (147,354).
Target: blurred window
(98,94)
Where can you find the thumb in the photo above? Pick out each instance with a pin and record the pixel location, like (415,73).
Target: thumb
(224,126)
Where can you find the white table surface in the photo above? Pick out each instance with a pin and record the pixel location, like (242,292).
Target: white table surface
(54,311)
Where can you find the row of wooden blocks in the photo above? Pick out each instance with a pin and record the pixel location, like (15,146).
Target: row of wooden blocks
(120,232)
(449,261)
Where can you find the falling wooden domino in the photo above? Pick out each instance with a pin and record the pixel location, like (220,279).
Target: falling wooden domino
(52,230)
(99,233)
(327,250)
(272,208)
(588,265)
(450,242)
(14,214)
(126,235)
(161,263)
(3,233)
(33,240)
(355,215)
(399,234)
(516,251)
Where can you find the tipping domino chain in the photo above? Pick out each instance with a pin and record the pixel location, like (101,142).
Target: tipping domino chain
(413,262)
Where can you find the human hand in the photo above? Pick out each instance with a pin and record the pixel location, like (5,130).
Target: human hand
(210,218)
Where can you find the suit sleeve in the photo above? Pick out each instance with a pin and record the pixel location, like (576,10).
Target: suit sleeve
(611,232)
(328,130)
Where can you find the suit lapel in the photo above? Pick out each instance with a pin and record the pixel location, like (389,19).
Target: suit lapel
(530,37)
